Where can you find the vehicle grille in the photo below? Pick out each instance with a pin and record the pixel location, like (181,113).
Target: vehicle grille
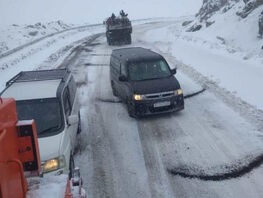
(159,95)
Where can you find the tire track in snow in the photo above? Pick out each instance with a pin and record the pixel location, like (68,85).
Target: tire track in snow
(12,51)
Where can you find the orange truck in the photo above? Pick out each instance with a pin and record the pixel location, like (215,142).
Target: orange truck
(20,161)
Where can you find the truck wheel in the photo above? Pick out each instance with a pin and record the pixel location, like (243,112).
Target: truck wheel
(129,39)
(114,92)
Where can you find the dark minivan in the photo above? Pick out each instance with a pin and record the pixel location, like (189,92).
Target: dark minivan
(143,79)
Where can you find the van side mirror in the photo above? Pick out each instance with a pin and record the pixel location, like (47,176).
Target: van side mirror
(173,71)
(123,78)
(73,119)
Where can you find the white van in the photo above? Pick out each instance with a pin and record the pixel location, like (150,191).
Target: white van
(50,98)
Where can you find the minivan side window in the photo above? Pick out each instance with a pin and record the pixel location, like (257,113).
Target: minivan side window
(66,102)
(72,90)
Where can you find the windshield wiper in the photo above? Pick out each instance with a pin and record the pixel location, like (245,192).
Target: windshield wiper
(48,129)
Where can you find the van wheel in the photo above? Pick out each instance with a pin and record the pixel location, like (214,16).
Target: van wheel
(71,166)
(79,125)
(131,109)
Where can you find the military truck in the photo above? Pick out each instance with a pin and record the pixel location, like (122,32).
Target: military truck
(118,30)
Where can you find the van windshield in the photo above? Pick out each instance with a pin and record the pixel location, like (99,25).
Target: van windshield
(45,112)
(148,70)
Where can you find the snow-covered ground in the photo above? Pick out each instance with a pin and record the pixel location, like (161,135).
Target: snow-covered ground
(174,155)
(47,53)
(132,158)
(13,35)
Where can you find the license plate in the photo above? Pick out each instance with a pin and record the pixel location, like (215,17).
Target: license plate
(162,104)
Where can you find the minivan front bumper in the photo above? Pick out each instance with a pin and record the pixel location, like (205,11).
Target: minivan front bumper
(149,107)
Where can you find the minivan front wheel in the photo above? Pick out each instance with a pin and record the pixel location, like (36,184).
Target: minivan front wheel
(131,109)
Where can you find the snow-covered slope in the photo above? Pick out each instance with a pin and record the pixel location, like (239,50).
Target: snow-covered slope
(239,35)
(14,35)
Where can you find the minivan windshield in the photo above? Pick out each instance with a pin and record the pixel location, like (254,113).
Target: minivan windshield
(45,112)
(148,70)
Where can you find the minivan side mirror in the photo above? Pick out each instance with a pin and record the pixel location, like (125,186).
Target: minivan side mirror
(123,78)
(73,119)
(173,71)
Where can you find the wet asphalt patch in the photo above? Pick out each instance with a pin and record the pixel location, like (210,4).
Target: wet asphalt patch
(194,94)
(109,100)
(80,84)
(93,44)
(99,54)
(96,64)
(232,171)
(87,50)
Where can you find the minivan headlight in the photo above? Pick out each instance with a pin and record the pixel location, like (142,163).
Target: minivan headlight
(54,164)
(138,97)
(178,92)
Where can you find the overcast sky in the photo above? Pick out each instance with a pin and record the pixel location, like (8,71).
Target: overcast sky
(90,11)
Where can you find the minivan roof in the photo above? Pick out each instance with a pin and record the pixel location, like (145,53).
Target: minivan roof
(135,54)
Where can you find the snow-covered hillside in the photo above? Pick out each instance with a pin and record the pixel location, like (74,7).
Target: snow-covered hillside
(225,26)
(13,35)
(230,29)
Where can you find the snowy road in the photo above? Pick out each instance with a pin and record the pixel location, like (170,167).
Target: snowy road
(211,149)
(161,156)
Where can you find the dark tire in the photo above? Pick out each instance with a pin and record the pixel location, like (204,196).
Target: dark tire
(114,92)
(71,166)
(79,125)
(131,109)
